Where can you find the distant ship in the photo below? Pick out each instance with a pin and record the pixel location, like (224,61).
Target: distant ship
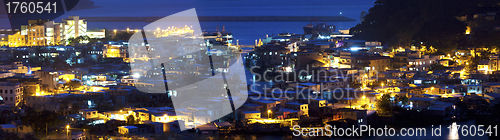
(319,28)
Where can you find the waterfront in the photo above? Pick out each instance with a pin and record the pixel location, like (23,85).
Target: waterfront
(245,32)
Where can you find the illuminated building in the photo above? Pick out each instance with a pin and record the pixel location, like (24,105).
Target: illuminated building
(17,40)
(303,109)
(421,102)
(250,115)
(399,60)
(358,115)
(114,51)
(34,32)
(43,32)
(311,59)
(273,55)
(344,61)
(423,63)
(494,63)
(372,64)
(96,33)
(167,117)
(126,130)
(88,113)
(52,33)
(73,27)
(11,93)
(67,77)
(482,67)
(314,106)
(36,36)
(4,41)
(50,80)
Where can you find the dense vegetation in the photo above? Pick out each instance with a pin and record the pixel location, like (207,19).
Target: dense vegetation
(402,23)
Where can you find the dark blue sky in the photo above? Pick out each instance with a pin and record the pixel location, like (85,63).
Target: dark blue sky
(349,8)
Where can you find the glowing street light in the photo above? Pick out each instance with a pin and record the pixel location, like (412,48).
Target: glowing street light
(268,112)
(67,130)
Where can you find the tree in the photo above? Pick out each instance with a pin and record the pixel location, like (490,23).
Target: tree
(122,36)
(72,84)
(436,66)
(39,121)
(399,23)
(131,120)
(384,107)
(475,60)
(60,63)
(29,137)
(81,39)
(72,40)
(8,136)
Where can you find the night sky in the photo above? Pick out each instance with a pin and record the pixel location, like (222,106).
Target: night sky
(350,9)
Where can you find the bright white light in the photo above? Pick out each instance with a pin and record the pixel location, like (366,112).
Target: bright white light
(355,48)
(136,75)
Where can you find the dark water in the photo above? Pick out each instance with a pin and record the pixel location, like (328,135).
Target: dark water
(245,32)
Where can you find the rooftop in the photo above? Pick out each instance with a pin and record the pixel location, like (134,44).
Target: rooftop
(5,126)
(421,99)
(129,127)
(88,110)
(248,112)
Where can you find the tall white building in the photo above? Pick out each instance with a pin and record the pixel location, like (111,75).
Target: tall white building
(43,32)
(73,27)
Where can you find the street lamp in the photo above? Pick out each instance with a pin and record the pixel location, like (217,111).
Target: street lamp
(67,130)
(268,112)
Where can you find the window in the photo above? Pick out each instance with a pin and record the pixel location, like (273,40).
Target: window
(11,91)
